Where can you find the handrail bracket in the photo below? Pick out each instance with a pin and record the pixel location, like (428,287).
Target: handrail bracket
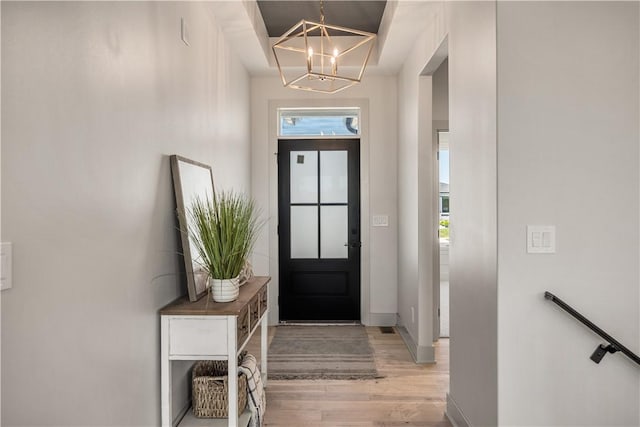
(601,351)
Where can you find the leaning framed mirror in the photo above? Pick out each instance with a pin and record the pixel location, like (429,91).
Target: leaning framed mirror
(191,180)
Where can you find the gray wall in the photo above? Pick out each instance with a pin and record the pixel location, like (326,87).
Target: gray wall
(473,252)
(568,118)
(95,96)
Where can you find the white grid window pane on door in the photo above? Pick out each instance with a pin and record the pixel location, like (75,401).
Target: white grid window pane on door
(304,176)
(304,232)
(334,178)
(334,228)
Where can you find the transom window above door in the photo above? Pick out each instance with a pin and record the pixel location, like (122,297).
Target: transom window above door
(318,122)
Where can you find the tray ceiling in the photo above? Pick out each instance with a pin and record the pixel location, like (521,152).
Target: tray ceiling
(279,16)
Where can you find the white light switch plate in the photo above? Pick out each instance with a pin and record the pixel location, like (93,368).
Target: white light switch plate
(6,250)
(541,239)
(380,221)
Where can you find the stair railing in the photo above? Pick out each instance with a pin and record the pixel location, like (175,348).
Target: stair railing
(612,346)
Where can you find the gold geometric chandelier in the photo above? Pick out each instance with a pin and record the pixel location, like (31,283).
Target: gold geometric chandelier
(322,58)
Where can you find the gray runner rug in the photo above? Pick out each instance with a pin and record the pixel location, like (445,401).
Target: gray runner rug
(321,352)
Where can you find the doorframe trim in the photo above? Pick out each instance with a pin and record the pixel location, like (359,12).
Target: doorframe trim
(365,283)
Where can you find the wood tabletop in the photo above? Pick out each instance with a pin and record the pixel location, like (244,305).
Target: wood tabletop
(206,306)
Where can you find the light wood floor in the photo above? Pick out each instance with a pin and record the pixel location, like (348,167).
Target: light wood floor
(408,395)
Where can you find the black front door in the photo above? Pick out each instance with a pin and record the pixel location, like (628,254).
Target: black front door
(319,229)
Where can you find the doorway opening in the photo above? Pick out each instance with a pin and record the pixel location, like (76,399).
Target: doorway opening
(433,198)
(443,229)
(319,237)
(300,114)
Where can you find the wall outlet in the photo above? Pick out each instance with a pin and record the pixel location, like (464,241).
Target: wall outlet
(413,315)
(6,261)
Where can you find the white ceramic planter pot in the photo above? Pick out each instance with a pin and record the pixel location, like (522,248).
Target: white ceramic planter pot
(225,290)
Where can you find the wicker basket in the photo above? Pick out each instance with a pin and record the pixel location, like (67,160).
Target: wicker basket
(210,390)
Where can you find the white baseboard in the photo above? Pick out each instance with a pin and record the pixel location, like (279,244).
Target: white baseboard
(382,319)
(420,354)
(454,413)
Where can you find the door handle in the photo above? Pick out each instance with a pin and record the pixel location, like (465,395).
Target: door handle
(353,244)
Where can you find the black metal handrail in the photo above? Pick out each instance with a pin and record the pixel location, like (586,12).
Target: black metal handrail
(612,346)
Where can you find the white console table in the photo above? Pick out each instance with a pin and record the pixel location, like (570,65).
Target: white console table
(208,330)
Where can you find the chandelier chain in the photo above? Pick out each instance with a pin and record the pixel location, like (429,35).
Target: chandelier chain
(321,12)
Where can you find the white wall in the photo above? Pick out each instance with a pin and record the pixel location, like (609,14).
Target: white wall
(568,134)
(568,85)
(473,252)
(95,96)
(415,258)
(377,94)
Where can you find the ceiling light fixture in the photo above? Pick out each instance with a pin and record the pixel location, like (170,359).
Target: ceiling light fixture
(333,58)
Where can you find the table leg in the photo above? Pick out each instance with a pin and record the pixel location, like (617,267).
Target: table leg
(232,371)
(264,336)
(165,373)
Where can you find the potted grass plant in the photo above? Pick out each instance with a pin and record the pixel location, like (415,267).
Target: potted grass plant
(224,231)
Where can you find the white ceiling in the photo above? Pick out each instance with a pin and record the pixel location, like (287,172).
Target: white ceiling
(242,24)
